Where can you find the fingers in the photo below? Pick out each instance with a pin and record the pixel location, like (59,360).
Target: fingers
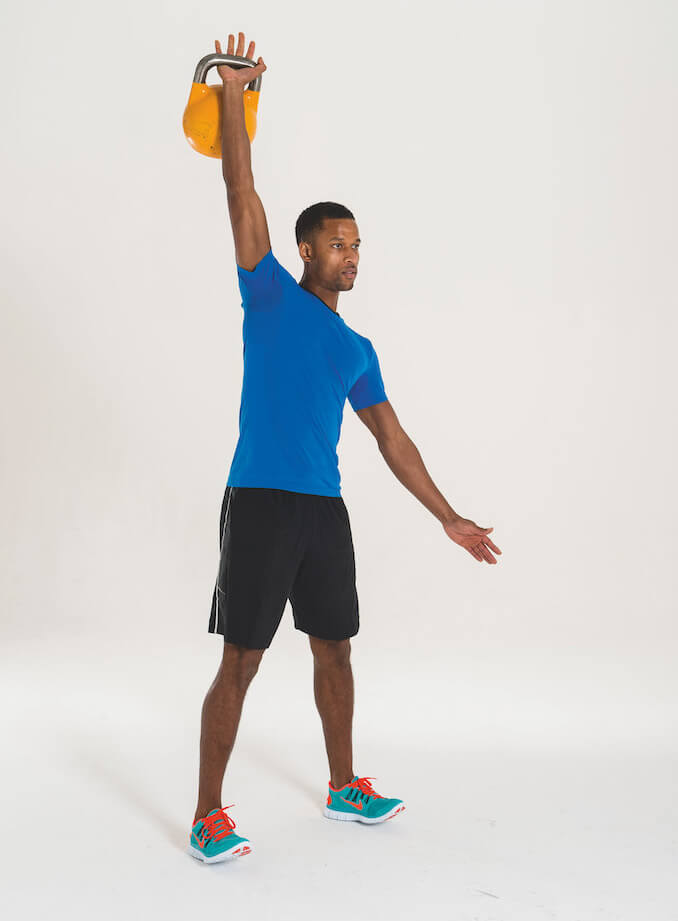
(241,46)
(481,552)
(486,553)
(488,543)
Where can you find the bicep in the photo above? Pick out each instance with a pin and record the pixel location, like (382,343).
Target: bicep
(250,228)
(381,420)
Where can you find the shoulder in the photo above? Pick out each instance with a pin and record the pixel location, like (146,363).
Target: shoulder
(265,284)
(362,341)
(366,346)
(267,267)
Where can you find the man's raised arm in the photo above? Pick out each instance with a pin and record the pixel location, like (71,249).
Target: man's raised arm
(248,219)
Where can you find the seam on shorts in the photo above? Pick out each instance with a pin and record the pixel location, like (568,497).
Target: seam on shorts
(221,545)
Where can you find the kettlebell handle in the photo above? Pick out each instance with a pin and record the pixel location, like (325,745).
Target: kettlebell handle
(235,60)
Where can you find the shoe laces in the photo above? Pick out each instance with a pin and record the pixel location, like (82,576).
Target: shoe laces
(363,784)
(217,825)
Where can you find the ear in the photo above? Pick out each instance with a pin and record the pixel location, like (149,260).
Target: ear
(305,251)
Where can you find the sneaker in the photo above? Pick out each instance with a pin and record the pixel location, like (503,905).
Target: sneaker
(358,802)
(213,839)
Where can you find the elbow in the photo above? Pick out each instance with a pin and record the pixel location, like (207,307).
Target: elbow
(239,186)
(394,442)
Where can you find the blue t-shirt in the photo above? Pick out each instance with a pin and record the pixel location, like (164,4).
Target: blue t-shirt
(301,362)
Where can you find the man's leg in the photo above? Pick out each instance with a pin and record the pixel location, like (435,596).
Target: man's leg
(333,689)
(220,718)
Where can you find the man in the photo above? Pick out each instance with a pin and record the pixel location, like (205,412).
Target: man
(284,529)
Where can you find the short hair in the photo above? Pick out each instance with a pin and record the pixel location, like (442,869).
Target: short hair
(311,219)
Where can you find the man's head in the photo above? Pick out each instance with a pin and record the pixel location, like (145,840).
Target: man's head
(328,241)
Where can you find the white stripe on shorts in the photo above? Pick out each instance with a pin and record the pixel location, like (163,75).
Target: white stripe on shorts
(221,544)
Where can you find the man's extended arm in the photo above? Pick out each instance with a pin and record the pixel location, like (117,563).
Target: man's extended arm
(403,457)
(248,219)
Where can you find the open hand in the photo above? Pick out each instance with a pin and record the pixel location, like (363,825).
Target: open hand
(473,538)
(241,75)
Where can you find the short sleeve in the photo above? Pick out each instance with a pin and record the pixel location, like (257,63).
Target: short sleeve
(262,287)
(369,388)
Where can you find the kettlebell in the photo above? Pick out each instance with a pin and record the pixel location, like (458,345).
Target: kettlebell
(202,115)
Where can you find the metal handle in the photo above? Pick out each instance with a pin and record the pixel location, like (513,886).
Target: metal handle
(211,60)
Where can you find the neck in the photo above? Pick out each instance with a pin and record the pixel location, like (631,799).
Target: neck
(328,297)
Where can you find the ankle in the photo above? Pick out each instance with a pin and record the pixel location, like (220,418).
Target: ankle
(202,810)
(341,780)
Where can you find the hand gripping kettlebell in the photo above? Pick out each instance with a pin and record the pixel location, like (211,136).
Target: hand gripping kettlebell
(202,115)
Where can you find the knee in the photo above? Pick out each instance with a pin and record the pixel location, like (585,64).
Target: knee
(241,662)
(331,653)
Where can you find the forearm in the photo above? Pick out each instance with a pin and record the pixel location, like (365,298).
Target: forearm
(404,459)
(236,159)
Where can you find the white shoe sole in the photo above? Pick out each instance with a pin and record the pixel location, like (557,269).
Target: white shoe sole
(238,850)
(356,817)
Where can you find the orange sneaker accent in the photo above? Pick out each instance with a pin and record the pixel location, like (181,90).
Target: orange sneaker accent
(395,813)
(363,784)
(215,827)
(329,800)
(357,805)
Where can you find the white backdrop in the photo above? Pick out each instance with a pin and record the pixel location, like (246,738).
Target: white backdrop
(511,167)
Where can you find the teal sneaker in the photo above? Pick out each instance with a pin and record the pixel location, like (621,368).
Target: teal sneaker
(358,802)
(213,839)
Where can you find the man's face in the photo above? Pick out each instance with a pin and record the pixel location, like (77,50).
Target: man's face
(333,257)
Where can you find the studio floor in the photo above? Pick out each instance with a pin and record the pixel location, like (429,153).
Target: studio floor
(99,784)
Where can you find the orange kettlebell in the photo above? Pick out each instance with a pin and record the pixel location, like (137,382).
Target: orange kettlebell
(202,115)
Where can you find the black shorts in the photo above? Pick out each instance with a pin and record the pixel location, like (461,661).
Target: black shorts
(276,544)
